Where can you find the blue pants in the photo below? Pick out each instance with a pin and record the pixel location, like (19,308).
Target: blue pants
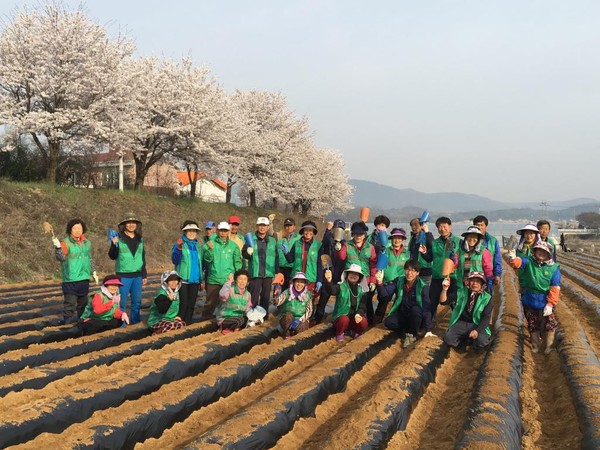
(133,287)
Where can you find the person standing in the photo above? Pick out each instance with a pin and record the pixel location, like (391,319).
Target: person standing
(186,255)
(491,243)
(420,237)
(223,258)
(127,249)
(544,228)
(209,231)
(289,238)
(263,263)
(75,255)
(473,256)
(234,231)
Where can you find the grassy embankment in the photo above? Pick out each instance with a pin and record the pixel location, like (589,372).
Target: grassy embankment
(26,252)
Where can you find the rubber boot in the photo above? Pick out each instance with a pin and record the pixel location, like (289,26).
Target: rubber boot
(535,341)
(549,341)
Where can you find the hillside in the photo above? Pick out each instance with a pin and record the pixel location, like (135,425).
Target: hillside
(26,252)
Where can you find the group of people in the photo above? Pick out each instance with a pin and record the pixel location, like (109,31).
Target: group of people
(298,274)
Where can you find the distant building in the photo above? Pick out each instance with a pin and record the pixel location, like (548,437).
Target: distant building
(207,189)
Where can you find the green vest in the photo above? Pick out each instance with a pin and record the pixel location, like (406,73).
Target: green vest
(128,262)
(461,302)
(395,265)
(184,266)
(289,242)
(155,316)
(311,259)
(78,263)
(419,284)
(439,252)
(491,245)
(296,306)
(538,277)
(476,262)
(345,302)
(271,252)
(223,259)
(523,254)
(89,313)
(235,306)
(362,257)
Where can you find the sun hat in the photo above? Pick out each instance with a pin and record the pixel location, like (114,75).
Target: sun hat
(530,227)
(543,245)
(112,280)
(472,229)
(356,269)
(398,232)
(300,276)
(309,225)
(479,275)
(130,217)
(191,226)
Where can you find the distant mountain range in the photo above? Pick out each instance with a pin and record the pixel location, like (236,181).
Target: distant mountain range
(403,204)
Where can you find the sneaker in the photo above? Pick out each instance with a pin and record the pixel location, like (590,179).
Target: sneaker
(339,337)
(430,334)
(408,340)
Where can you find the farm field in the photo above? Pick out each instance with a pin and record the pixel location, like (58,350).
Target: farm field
(195,388)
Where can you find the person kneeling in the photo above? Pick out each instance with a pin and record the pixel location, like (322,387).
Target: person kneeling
(236,301)
(406,314)
(164,309)
(350,307)
(102,311)
(295,305)
(471,317)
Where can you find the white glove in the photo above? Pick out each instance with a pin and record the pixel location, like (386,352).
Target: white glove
(425,228)
(250,250)
(372,287)
(125,318)
(95,276)
(512,254)
(357,318)
(548,309)
(337,246)
(379,276)
(56,242)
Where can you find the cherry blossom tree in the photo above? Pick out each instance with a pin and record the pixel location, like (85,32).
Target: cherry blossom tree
(172,109)
(58,79)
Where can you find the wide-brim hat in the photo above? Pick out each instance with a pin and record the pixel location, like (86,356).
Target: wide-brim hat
(170,275)
(191,226)
(543,245)
(362,281)
(472,229)
(359,228)
(130,217)
(528,227)
(309,225)
(300,276)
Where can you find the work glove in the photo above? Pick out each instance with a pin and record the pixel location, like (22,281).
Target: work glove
(446,283)
(95,276)
(379,276)
(56,242)
(294,324)
(337,246)
(512,254)
(125,318)
(548,309)
(422,249)
(372,287)
(250,251)
(284,248)
(179,243)
(318,286)
(357,318)
(278,279)
(328,275)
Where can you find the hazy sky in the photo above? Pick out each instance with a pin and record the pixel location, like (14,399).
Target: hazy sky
(497,98)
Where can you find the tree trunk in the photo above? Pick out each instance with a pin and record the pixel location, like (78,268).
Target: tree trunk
(193,176)
(54,152)
(228,192)
(275,203)
(140,171)
(252,197)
